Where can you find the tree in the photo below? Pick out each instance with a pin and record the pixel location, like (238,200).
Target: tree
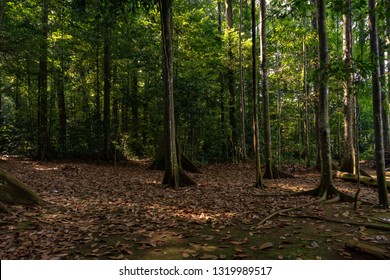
(265,94)
(377,106)
(2,12)
(348,163)
(242,90)
(271,172)
(231,79)
(326,189)
(43,136)
(256,137)
(174,175)
(107,22)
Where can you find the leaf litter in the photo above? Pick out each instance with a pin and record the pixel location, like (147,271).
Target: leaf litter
(123,212)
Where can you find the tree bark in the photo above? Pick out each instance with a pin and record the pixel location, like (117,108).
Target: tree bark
(173,176)
(223,127)
(315,57)
(306,94)
(326,188)
(349,158)
(43,135)
(107,84)
(256,136)
(14,192)
(264,90)
(134,111)
(242,92)
(231,80)
(387,10)
(61,105)
(3,4)
(385,98)
(377,106)
(98,124)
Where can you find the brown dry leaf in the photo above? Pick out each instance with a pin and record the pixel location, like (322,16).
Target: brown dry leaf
(266,245)
(239,242)
(240,256)
(185,255)
(208,257)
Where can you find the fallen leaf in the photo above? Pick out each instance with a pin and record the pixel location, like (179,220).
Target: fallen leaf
(266,245)
(208,257)
(239,242)
(314,244)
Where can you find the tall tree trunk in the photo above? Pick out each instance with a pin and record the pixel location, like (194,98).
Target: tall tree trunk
(387,3)
(173,176)
(306,94)
(98,126)
(326,187)
(107,86)
(242,91)
(377,104)
(134,111)
(349,158)
(223,127)
(126,101)
(385,98)
(86,109)
(43,137)
(61,105)
(256,136)
(231,80)
(264,89)
(3,4)
(315,57)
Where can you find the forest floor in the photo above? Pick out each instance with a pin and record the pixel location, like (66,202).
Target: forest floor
(124,212)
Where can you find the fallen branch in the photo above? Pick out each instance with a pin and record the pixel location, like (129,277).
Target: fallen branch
(369,181)
(366,225)
(13,191)
(369,249)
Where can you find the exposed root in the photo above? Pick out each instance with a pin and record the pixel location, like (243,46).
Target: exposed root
(261,186)
(184,179)
(328,195)
(289,209)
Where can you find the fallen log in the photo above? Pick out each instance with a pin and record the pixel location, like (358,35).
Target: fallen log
(369,181)
(15,192)
(368,249)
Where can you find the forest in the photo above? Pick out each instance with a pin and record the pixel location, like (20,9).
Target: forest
(194,129)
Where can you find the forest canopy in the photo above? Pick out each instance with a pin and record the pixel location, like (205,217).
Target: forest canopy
(83,78)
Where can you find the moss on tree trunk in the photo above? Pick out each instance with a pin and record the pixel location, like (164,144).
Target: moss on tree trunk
(14,192)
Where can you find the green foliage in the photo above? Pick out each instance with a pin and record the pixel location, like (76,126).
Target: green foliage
(200,82)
